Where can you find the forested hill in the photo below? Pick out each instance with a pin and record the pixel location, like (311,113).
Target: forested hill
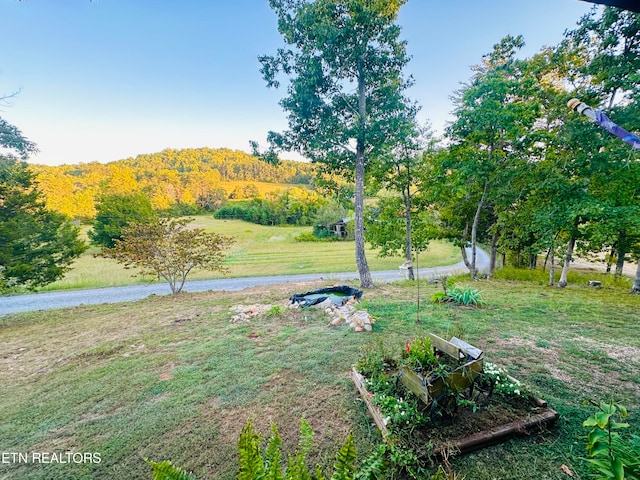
(188,177)
(231,164)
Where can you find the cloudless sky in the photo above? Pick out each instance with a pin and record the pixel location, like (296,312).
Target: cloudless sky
(105,80)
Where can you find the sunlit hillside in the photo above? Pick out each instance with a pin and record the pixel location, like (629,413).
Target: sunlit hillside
(185,178)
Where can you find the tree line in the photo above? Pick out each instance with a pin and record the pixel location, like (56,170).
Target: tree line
(520,172)
(525,175)
(183,180)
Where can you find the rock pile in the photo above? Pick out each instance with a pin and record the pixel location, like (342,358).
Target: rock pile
(346,314)
(359,320)
(247,312)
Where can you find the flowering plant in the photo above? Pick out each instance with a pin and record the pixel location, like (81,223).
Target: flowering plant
(419,354)
(502,382)
(399,412)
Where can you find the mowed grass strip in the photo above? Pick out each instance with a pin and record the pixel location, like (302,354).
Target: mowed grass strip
(258,250)
(173,378)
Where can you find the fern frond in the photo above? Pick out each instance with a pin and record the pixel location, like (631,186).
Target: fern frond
(345,466)
(373,466)
(251,463)
(273,456)
(306,437)
(167,471)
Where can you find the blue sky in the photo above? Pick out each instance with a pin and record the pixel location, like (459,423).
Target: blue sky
(110,79)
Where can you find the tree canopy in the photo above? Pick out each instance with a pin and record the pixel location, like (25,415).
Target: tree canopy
(37,246)
(169,249)
(114,212)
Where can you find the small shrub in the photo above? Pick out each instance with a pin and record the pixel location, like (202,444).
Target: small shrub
(465,296)
(375,358)
(458,295)
(274,311)
(310,237)
(439,297)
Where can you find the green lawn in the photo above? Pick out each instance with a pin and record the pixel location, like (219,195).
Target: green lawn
(258,250)
(172,378)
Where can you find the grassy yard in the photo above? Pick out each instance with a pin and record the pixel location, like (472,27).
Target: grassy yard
(173,378)
(258,250)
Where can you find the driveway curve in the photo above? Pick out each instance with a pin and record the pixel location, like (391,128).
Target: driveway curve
(74,298)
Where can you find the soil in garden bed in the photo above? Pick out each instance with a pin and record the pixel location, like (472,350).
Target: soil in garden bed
(499,412)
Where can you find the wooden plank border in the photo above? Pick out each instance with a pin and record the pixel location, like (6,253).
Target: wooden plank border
(493,436)
(378,419)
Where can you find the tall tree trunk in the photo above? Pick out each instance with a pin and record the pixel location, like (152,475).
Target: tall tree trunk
(621,253)
(494,253)
(463,247)
(610,257)
(567,260)
(406,195)
(474,231)
(552,265)
(361,259)
(636,282)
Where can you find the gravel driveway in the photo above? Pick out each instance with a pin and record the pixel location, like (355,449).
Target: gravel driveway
(73,298)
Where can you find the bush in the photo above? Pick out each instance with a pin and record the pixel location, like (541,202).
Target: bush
(465,296)
(459,296)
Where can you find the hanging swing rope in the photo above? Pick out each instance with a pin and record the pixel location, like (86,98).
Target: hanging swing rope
(597,116)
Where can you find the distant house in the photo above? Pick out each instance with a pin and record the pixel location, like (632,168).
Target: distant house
(339,228)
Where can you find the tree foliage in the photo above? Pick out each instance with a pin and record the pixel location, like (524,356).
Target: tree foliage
(37,246)
(169,249)
(114,212)
(295,206)
(344,101)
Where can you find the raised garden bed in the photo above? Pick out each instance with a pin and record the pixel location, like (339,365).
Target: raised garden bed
(483,418)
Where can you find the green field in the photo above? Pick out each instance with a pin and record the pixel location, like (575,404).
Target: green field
(172,378)
(258,250)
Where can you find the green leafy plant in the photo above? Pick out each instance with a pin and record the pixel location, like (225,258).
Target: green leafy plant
(167,471)
(404,462)
(439,297)
(458,295)
(375,358)
(419,355)
(399,412)
(256,464)
(610,454)
(465,296)
(274,311)
(502,382)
